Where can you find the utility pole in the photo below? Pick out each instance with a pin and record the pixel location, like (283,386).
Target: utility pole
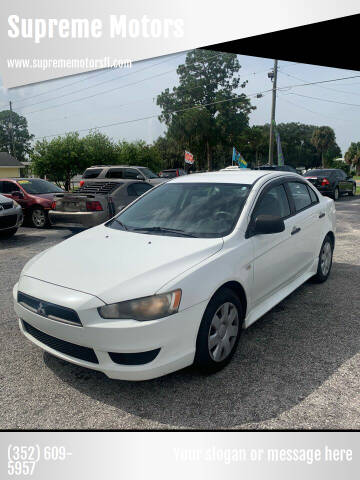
(11,125)
(273,77)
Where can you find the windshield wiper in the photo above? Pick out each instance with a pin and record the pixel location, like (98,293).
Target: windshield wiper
(164,230)
(120,223)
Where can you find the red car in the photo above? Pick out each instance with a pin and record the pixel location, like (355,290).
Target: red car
(34,195)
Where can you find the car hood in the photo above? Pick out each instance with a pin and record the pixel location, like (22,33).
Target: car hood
(116,265)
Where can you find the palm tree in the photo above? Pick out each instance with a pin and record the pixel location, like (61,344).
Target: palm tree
(322,139)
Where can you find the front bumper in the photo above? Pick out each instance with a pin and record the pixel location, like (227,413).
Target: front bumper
(83,219)
(175,335)
(11,212)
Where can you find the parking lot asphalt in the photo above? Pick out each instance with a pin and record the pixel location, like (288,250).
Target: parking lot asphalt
(296,368)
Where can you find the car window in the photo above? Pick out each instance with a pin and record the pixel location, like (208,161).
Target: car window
(39,186)
(313,196)
(115,173)
(92,172)
(300,195)
(137,189)
(131,173)
(273,202)
(340,174)
(8,187)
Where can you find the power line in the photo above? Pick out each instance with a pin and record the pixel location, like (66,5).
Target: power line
(312,111)
(110,90)
(156,94)
(101,83)
(326,100)
(152,116)
(319,86)
(64,86)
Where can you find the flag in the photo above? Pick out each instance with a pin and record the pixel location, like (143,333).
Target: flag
(238,158)
(279,149)
(189,157)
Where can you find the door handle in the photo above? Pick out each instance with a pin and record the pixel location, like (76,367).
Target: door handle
(295,230)
(321,215)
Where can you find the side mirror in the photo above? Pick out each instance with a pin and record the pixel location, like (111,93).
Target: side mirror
(267,224)
(140,177)
(17,194)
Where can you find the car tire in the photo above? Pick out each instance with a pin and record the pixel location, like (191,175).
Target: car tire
(353,191)
(219,331)
(39,218)
(325,260)
(8,233)
(336,194)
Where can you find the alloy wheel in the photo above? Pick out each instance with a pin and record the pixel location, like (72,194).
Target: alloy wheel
(38,218)
(336,194)
(325,258)
(223,332)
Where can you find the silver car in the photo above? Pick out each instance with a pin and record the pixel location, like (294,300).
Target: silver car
(95,202)
(11,217)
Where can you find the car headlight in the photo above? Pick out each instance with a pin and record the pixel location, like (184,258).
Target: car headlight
(142,309)
(15,204)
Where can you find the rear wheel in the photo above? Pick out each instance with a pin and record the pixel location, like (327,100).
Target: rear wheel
(39,218)
(325,260)
(336,194)
(219,332)
(353,192)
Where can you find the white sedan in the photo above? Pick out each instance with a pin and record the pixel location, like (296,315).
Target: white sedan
(175,277)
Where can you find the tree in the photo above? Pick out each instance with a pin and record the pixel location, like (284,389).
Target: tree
(323,139)
(138,153)
(352,156)
(254,143)
(99,149)
(18,143)
(205,110)
(61,158)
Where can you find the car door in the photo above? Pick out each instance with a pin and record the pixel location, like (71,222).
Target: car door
(308,223)
(343,183)
(274,263)
(7,188)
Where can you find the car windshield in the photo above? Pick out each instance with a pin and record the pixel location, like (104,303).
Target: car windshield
(318,173)
(38,186)
(148,173)
(205,210)
(169,173)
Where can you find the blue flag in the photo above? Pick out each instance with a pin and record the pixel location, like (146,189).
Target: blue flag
(238,158)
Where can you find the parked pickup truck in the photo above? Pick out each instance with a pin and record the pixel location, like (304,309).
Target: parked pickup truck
(95,202)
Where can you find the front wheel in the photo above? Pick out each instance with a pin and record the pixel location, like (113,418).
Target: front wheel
(325,261)
(353,191)
(219,331)
(39,218)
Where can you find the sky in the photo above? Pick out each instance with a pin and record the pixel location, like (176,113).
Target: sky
(106,97)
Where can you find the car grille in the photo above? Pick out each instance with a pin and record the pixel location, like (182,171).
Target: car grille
(8,221)
(67,348)
(49,310)
(102,188)
(7,206)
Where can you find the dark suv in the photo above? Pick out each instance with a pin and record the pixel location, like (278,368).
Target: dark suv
(331,181)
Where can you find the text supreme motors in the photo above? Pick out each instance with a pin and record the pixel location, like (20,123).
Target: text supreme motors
(121,26)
